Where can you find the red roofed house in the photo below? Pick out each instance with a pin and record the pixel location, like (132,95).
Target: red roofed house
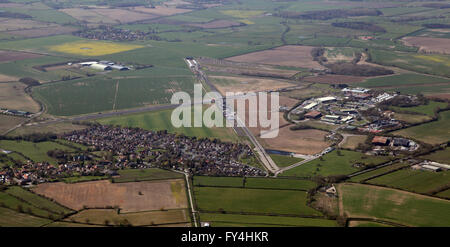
(313,114)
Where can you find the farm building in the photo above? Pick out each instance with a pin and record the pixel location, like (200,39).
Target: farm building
(431,168)
(100,66)
(119,67)
(310,106)
(331,118)
(380,140)
(313,114)
(401,142)
(326,99)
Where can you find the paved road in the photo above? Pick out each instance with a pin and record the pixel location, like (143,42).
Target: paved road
(267,161)
(296,164)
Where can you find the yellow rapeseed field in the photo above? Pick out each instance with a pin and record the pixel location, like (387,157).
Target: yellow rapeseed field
(92,48)
(435,58)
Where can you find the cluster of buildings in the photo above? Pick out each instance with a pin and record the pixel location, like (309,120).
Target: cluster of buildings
(15,113)
(103,65)
(136,148)
(431,166)
(380,144)
(117,34)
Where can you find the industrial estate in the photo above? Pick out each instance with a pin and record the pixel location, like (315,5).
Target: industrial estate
(86,137)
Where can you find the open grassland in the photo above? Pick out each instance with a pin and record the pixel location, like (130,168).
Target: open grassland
(110,217)
(334,164)
(365,201)
(377,172)
(414,180)
(256,201)
(13,96)
(444,194)
(439,156)
(161,120)
(236,220)
(135,175)
(35,151)
(130,197)
(284,160)
(11,218)
(92,48)
(411,118)
(434,132)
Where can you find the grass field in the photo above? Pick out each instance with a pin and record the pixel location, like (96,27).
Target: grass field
(333,164)
(284,160)
(219,220)
(161,120)
(414,180)
(439,156)
(358,223)
(35,151)
(428,109)
(255,183)
(11,218)
(253,201)
(434,133)
(377,172)
(396,81)
(11,202)
(392,205)
(135,175)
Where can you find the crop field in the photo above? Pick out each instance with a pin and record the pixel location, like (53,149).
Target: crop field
(14,203)
(365,201)
(13,96)
(42,32)
(256,201)
(135,175)
(8,56)
(407,80)
(444,194)
(414,180)
(35,151)
(360,223)
(365,176)
(310,141)
(8,122)
(247,84)
(93,48)
(295,56)
(439,156)
(130,197)
(161,120)
(334,164)
(427,44)
(110,217)
(434,132)
(160,10)
(236,220)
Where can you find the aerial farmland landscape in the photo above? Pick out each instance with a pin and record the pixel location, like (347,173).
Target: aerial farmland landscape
(104,109)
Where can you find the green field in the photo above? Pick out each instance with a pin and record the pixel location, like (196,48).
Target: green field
(134,175)
(235,220)
(428,109)
(439,156)
(393,206)
(434,132)
(77,179)
(414,180)
(11,202)
(258,201)
(35,151)
(284,160)
(161,120)
(334,164)
(376,172)
(11,218)
(396,81)
(218,181)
